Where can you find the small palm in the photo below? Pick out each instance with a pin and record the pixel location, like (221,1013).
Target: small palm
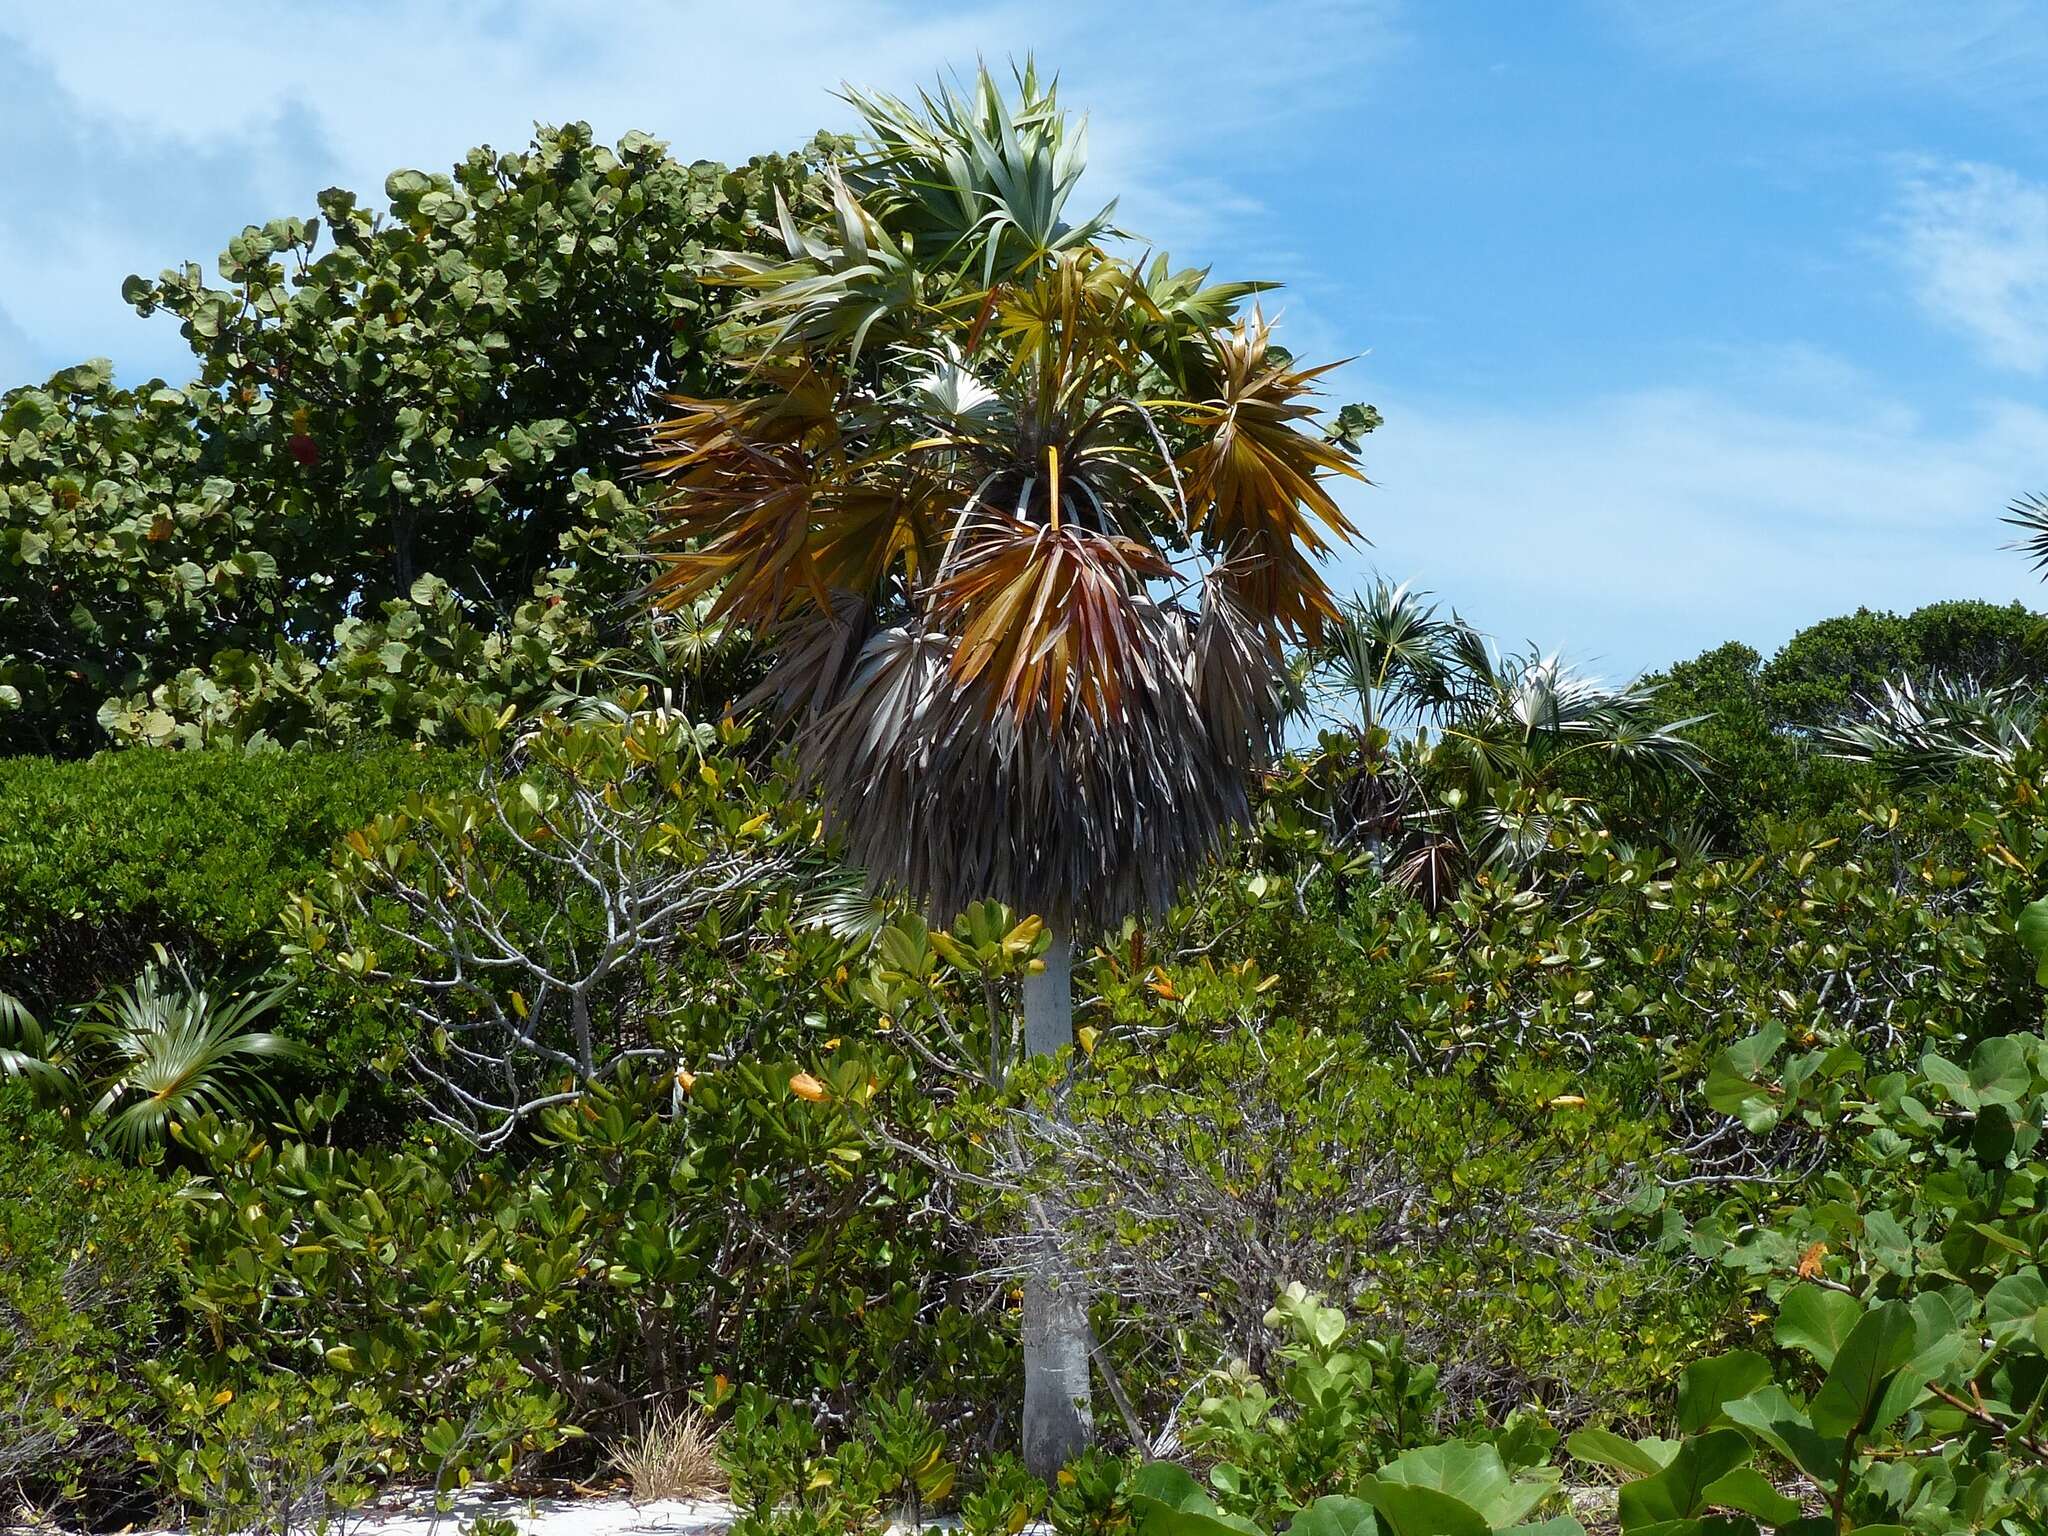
(166,1049)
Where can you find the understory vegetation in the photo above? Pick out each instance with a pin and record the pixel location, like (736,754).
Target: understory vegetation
(444,1036)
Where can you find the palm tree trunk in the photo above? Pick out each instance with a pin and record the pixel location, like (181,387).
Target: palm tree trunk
(1058,1423)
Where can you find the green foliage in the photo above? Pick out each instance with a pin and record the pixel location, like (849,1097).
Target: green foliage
(438,391)
(1007,1500)
(1761,717)
(1212,1165)
(1916,1328)
(199,852)
(1338,1407)
(494,1304)
(86,1271)
(1494,744)
(785,1482)
(1826,672)
(521,930)
(140,1058)
(279,1456)
(1322,1465)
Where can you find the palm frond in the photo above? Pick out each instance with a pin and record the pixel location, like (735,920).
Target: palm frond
(981,183)
(1914,732)
(2029,514)
(170,1049)
(1391,659)
(1047,615)
(29,1052)
(1257,481)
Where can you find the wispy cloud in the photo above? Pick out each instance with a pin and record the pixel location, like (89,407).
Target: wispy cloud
(1974,241)
(1641,527)
(1992,52)
(175,128)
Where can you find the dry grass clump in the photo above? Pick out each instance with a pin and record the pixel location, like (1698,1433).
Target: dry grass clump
(674,1455)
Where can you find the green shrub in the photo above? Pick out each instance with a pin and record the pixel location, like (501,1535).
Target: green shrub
(1473,1222)
(87,1270)
(103,859)
(521,1298)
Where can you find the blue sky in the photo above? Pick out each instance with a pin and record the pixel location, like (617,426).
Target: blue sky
(1690,322)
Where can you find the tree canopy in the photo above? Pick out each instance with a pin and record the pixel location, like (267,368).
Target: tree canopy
(406,449)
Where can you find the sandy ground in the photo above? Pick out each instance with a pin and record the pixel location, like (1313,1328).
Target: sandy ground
(548,1516)
(615,1516)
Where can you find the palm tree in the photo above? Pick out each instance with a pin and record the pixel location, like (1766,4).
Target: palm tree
(1027,527)
(1434,721)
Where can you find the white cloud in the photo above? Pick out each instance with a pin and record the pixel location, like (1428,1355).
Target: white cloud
(181,125)
(1639,528)
(1974,240)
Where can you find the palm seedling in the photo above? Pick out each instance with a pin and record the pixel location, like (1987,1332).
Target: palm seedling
(166,1048)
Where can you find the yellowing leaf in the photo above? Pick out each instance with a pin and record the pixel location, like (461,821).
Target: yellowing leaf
(807,1087)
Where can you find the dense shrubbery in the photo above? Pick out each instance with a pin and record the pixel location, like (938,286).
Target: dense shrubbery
(403,454)
(101,861)
(87,1281)
(1594,1087)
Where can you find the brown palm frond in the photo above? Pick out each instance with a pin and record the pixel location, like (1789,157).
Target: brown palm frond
(1257,480)
(749,520)
(1236,671)
(743,476)
(869,527)
(798,407)
(1048,612)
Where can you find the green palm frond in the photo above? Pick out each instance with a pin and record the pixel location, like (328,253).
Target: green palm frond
(1392,660)
(169,1049)
(978,182)
(848,288)
(1915,732)
(2029,514)
(844,905)
(29,1052)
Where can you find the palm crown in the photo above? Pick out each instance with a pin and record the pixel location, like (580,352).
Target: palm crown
(1027,525)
